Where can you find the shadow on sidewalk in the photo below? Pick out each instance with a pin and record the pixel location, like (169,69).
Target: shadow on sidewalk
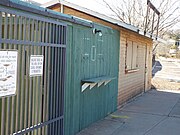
(155,112)
(156,67)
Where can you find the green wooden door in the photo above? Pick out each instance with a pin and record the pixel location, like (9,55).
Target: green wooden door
(90,55)
(99,57)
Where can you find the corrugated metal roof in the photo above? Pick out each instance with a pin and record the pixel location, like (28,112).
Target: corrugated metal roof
(103,17)
(93,13)
(44,11)
(47,12)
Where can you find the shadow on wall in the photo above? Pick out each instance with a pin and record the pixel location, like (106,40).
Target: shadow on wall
(156,67)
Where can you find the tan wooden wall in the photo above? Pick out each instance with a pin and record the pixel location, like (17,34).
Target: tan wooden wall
(130,84)
(56,7)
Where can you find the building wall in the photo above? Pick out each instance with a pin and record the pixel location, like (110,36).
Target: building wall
(84,108)
(130,84)
(56,7)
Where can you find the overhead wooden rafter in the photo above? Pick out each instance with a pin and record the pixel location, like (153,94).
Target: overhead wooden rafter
(150,7)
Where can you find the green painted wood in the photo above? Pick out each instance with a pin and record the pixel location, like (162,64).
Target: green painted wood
(88,56)
(84,108)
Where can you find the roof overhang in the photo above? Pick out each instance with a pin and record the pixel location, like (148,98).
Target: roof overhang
(27,7)
(92,13)
(100,16)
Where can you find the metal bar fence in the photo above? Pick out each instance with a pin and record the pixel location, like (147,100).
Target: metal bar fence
(37,107)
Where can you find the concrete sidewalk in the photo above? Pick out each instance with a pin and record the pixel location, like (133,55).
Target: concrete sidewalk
(154,113)
(167,69)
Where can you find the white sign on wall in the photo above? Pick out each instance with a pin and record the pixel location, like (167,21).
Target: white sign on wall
(36,65)
(8,72)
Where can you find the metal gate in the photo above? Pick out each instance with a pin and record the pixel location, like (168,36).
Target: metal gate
(37,106)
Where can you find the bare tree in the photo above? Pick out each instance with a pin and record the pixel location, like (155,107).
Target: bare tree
(134,12)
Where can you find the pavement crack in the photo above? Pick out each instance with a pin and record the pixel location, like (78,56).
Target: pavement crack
(173,107)
(114,132)
(155,125)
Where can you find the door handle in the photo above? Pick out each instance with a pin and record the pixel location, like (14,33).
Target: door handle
(93,53)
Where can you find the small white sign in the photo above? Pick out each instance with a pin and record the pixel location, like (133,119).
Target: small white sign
(8,72)
(36,65)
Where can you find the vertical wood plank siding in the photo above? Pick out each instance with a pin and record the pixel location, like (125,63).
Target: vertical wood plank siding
(128,86)
(84,108)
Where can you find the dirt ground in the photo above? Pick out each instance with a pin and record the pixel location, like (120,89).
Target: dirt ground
(162,84)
